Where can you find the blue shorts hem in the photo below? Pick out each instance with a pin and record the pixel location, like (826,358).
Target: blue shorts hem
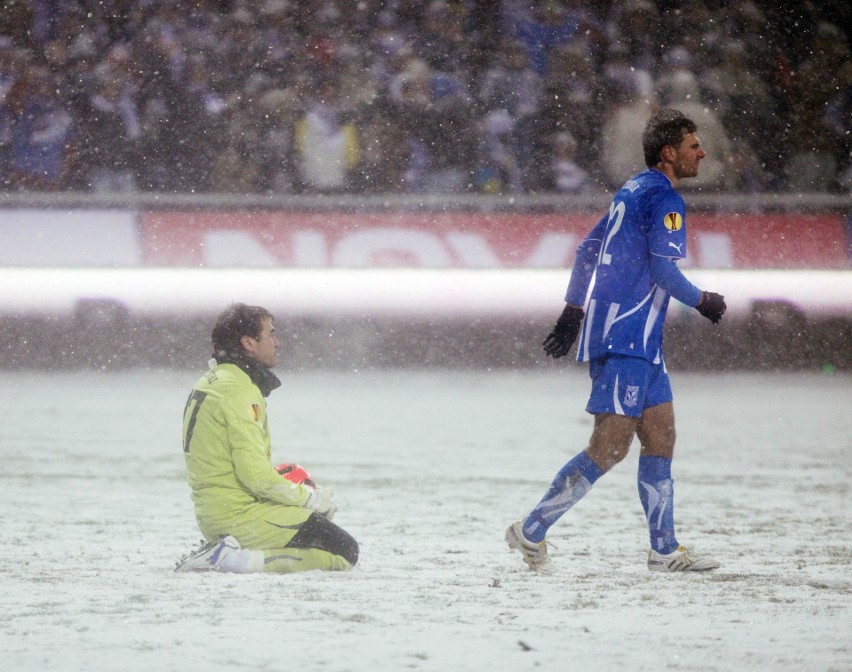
(627,385)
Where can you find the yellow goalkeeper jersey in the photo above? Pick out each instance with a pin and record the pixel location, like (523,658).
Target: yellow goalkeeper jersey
(227,447)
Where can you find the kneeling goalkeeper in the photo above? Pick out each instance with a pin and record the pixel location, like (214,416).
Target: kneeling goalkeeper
(254,520)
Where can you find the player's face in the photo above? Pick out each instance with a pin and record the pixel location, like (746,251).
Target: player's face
(264,348)
(687,156)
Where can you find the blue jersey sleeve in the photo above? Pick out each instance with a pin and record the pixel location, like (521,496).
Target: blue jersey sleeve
(666,274)
(667,226)
(584,265)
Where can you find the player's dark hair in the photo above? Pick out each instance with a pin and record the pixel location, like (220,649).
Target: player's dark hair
(666,127)
(236,321)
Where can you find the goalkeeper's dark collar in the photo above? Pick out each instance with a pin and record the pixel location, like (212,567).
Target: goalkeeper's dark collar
(260,374)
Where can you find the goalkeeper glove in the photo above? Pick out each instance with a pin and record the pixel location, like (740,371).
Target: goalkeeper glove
(319,500)
(559,341)
(712,306)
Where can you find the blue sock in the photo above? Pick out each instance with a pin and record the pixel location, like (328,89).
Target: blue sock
(656,491)
(572,481)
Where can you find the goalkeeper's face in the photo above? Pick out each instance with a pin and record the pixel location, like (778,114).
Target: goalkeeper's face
(264,348)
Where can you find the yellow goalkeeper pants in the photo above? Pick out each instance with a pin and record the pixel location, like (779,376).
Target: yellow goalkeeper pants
(292,539)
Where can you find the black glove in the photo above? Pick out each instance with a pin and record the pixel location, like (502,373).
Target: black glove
(558,343)
(712,306)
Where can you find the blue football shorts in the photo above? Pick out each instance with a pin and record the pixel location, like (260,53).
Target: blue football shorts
(627,385)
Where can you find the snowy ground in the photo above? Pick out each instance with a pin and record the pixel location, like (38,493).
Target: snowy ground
(428,468)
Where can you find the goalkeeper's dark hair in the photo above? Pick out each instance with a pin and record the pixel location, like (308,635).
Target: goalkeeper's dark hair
(236,321)
(666,127)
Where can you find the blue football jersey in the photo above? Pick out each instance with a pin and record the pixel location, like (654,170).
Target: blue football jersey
(626,308)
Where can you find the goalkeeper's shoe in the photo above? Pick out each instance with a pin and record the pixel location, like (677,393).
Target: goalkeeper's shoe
(535,554)
(679,560)
(206,558)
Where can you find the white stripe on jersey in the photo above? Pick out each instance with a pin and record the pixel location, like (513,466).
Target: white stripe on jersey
(618,409)
(657,296)
(636,307)
(611,315)
(653,314)
(587,327)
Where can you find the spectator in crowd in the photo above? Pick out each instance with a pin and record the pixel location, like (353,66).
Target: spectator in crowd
(326,141)
(620,72)
(839,119)
(744,100)
(444,39)
(510,84)
(276,26)
(385,153)
(812,163)
(511,95)
(381,142)
(42,133)
(9,72)
(634,26)
(198,124)
(278,113)
(750,176)
(573,100)
(181,112)
(436,114)
(568,177)
(109,135)
(233,171)
(677,76)
(547,26)
(387,47)
(497,171)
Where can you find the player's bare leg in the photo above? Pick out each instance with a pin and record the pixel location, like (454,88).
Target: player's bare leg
(656,431)
(611,439)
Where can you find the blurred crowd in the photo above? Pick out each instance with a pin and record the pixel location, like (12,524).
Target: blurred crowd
(435,96)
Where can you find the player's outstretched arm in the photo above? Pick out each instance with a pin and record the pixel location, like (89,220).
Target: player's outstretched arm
(559,341)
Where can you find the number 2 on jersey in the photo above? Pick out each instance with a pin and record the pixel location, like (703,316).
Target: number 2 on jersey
(616,215)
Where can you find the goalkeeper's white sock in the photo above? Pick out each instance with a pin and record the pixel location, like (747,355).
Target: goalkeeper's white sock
(244,561)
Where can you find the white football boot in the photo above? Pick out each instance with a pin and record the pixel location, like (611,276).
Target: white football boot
(679,560)
(206,558)
(535,554)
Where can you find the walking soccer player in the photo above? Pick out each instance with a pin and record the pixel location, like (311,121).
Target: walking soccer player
(631,254)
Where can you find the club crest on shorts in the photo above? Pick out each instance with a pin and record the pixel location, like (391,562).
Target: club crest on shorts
(631,395)
(673,221)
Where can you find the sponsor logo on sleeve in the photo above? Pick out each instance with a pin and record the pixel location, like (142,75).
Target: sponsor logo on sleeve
(673,221)
(254,412)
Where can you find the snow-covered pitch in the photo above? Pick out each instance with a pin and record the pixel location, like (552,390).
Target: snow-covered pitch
(428,469)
